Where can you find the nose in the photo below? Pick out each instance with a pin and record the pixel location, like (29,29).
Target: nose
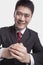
(22,18)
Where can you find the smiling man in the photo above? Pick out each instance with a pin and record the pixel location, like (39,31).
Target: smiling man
(17,41)
(22,17)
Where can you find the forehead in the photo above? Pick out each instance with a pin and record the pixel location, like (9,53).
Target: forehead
(24,9)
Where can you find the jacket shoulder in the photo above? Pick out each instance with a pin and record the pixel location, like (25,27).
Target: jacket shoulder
(4,30)
(32,32)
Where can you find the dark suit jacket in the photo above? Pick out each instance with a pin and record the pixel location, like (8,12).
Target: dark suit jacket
(29,39)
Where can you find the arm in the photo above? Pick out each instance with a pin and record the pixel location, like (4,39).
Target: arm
(4,52)
(37,52)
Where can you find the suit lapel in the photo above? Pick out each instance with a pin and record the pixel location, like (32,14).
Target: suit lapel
(25,37)
(13,34)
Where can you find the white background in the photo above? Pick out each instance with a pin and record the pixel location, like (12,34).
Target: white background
(6,15)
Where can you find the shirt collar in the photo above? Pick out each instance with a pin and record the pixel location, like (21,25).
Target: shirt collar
(22,31)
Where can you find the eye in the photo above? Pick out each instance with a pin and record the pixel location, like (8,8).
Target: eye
(19,13)
(27,15)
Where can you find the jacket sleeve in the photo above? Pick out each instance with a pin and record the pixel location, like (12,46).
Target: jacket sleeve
(0,36)
(37,51)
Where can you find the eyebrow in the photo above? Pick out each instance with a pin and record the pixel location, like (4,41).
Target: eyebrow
(22,13)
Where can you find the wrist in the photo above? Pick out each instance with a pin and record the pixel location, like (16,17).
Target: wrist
(28,58)
(4,53)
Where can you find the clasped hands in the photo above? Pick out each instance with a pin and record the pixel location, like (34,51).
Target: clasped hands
(17,51)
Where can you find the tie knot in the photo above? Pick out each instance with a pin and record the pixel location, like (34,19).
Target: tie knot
(19,34)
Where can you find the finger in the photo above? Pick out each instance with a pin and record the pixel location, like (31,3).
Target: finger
(17,52)
(13,45)
(16,56)
(21,50)
(19,47)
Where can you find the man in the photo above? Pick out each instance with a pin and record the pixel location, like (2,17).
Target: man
(16,51)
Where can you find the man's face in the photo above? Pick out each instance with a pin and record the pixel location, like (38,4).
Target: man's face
(22,17)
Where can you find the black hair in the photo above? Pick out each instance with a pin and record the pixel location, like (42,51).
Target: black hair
(25,3)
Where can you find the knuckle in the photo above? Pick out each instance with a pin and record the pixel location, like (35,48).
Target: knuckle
(25,49)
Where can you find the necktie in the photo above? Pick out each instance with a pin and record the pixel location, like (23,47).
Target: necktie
(19,36)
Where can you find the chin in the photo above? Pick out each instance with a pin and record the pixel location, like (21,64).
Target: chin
(20,28)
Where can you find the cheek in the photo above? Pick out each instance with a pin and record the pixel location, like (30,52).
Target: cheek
(28,20)
(26,23)
(17,17)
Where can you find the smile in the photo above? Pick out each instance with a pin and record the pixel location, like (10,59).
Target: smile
(20,22)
